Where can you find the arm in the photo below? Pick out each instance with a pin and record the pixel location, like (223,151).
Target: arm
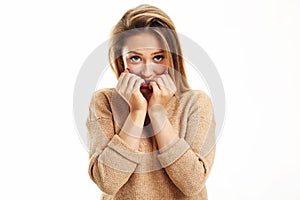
(187,167)
(113,157)
(136,125)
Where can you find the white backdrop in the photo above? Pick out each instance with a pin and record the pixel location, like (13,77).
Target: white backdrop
(255,46)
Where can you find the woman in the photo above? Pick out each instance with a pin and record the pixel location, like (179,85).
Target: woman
(151,137)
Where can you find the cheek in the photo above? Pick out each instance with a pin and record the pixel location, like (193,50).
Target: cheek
(134,69)
(161,69)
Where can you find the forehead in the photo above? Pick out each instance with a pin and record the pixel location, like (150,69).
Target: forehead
(142,41)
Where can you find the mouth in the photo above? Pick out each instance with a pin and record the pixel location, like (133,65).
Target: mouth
(146,86)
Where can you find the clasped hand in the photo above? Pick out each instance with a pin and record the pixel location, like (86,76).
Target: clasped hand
(129,88)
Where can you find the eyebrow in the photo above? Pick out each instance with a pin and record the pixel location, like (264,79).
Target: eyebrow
(161,51)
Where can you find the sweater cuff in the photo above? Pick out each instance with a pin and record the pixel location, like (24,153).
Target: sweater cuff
(120,156)
(120,146)
(173,152)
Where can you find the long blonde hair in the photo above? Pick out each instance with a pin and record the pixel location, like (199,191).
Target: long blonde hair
(147,18)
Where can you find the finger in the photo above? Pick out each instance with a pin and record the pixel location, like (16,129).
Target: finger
(165,81)
(159,82)
(121,77)
(138,84)
(169,78)
(166,71)
(137,81)
(125,81)
(131,83)
(172,83)
(120,81)
(154,86)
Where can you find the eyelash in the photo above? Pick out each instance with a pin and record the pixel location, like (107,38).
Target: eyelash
(137,57)
(133,57)
(160,56)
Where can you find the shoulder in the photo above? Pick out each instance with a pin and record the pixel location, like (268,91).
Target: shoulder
(100,101)
(199,94)
(104,92)
(102,95)
(196,98)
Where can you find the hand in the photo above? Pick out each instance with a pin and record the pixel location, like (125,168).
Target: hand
(129,88)
(163,89)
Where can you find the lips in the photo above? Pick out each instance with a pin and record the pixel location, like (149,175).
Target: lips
(146,86)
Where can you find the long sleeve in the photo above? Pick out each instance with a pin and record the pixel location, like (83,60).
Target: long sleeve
(189,159)
(112,161)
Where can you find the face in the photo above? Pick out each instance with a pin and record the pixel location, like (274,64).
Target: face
(144,56)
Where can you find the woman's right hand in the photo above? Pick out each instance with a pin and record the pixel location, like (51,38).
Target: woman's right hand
(129,88)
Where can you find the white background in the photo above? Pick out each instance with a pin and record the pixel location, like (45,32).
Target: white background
(255,46)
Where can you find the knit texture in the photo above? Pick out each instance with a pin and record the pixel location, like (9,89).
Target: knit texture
(177,171)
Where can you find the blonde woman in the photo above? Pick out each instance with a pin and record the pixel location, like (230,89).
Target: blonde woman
(150,137)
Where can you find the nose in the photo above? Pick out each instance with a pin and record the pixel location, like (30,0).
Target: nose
(147,72)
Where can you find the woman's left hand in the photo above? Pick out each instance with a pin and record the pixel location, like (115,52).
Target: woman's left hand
(163,89)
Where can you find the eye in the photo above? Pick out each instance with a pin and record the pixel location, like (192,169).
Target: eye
(135,58)
(158,58)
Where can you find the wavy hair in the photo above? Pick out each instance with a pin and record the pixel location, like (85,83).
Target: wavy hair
(147,18)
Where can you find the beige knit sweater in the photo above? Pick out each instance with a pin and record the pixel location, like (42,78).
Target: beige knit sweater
(178,171)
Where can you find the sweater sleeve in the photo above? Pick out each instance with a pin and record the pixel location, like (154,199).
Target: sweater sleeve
(188,161)
(112,161)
